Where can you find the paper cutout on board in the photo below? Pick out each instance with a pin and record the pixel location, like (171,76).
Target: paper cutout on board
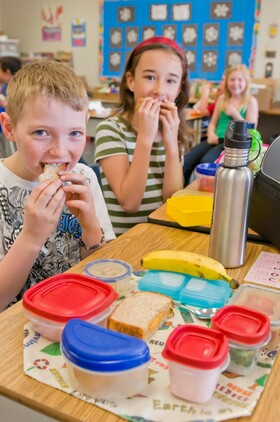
(115,37)
(115,62)
(211,34)
(169,31)
(189,35)
(148,32)
(235,34)
(132,36)
(221,10)
(158,12)
(233,57)
(126,14)
(191,58)
(210,60)
(181,12)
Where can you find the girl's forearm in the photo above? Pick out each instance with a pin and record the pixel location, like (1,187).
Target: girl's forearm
(134,184)
(15,268)
(173,175)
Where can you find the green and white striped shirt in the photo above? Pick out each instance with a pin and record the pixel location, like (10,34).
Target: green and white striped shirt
(115,136)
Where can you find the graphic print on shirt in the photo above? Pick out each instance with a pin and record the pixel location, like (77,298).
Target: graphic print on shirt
(60,251)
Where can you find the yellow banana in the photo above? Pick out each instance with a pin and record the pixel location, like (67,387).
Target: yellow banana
(185,262)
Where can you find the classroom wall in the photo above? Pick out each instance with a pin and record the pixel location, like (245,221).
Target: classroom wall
(21,19)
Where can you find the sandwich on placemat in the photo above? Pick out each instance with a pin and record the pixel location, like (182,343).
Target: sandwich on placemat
(51,172)
(141,315)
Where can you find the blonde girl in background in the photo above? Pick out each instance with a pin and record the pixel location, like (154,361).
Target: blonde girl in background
(140,148)
(236,103)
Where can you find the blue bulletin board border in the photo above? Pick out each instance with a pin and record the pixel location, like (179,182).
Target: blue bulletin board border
(214,34)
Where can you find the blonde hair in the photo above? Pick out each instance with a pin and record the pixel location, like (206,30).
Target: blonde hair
(246,94)
(48,79)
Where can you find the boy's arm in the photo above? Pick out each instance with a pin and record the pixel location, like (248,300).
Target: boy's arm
(41,213)
(15,267)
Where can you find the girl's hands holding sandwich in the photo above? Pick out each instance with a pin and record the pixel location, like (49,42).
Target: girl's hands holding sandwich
(170,124)
(147,117)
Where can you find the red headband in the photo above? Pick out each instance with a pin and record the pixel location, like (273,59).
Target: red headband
(159,40)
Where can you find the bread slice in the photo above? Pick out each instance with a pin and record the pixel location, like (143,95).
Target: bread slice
(141,315)
(50,172)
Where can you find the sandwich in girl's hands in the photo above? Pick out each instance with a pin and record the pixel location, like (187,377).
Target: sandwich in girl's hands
(51,172)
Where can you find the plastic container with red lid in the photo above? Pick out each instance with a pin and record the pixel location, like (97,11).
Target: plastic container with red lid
(50,304)
(247,331)
(196,356)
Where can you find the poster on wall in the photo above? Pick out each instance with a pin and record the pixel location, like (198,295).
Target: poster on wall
(52,22)
(215,36)
(78,30)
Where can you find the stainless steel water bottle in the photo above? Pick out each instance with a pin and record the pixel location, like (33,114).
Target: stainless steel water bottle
(233,186)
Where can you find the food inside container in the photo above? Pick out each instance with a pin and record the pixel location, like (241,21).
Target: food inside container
(103,363)
(265,300)
(205,176)
(247,332)
(196,356)
(115,272)
(50,304)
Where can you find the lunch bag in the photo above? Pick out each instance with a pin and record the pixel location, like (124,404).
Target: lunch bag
(264,215)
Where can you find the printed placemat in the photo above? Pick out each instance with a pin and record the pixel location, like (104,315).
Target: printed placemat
(235,395)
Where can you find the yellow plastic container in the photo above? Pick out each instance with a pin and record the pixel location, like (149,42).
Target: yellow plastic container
(190,210)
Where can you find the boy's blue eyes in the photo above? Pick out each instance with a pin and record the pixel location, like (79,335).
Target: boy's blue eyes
(42,132)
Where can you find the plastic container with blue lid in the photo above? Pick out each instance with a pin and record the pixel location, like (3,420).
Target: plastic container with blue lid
(165,282)
(205,176)
(205,293)
(104,363)
(187,289)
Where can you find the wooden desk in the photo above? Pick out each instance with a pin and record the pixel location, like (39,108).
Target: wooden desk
(130,247)
(160,216)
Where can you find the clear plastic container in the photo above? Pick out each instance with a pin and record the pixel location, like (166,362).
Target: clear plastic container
(205,176)
(112,271)
(50,304)
(265,300)
(247,332)
(103,363)
(196,356)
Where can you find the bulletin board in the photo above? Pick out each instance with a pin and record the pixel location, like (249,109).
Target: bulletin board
(214,34)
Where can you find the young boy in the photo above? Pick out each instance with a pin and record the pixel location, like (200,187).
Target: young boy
(46,227)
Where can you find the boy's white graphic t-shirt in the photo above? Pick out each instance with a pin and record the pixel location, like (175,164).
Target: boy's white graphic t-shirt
(61,251)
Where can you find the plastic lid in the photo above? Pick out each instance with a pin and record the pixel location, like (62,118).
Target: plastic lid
(242,325)
(65,296)
(196,346)
(110,270)
(165,282)
(205,293)
(99,349)
(263,299)
(208,169)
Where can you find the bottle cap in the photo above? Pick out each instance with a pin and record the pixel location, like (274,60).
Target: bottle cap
(237,135)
